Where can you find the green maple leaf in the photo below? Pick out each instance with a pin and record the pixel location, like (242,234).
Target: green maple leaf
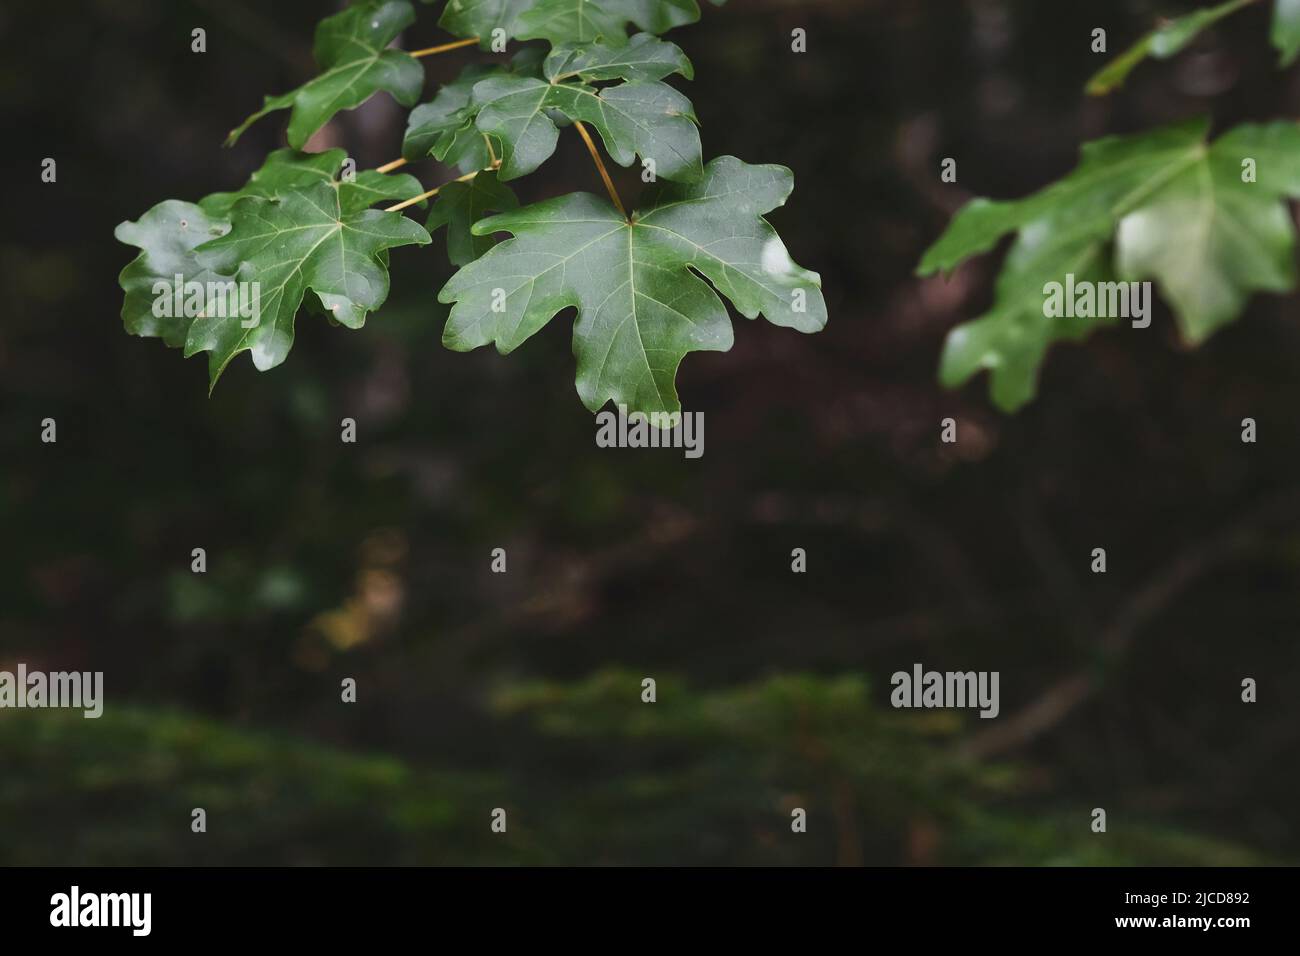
(494,110)
(304,240)
(1165,205)
(350,48)
(649,119)
(166,235)
(169,236)
(645,57)
(169,232)
(636,283)
(460,205)
(586,20)
(444,127)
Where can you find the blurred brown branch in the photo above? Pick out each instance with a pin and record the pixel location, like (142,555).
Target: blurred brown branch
(1060,699)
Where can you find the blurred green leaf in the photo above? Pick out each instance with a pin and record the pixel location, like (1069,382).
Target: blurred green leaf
(1162,43)
(1286,30)
(1165,205)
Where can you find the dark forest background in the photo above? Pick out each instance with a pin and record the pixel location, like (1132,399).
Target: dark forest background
(522,690)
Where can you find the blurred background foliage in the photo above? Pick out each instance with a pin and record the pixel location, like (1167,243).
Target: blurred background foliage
(522,690)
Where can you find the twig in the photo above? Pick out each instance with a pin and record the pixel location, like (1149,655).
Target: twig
(389,167)
(600,165)
(444,47)
(432,192)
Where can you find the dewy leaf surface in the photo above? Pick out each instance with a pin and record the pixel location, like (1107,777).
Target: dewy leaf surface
(351,49)
(650,119)
(304,240)
(1166,206)
(642,302)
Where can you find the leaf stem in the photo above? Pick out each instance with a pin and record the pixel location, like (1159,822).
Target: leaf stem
(432,192)
(389,167)
(600,165)
(444,47)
